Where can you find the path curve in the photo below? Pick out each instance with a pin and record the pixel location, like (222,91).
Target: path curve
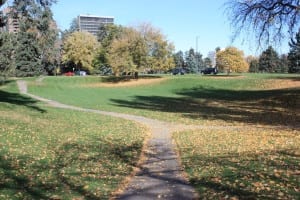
(160,175)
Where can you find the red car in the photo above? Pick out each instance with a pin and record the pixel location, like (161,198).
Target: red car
(69,74)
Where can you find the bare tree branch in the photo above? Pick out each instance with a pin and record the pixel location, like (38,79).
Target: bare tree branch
(267,20)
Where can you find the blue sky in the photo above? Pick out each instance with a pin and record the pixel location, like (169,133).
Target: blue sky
(182,21)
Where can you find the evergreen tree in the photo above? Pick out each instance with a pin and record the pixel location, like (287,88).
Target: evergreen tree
(7,45)
(28,61)
(47,38)
(207,62)
(194,62)
(35,18)
(254,66)
(284,63)
(269,61)
(191,62)
(294,54)
(179,60)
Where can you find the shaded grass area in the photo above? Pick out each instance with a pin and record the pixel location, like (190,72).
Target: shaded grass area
(62,154)
(244,163)
(265,107)
(17,99)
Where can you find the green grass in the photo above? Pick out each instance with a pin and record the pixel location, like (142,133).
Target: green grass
(62,154)
(184,99)
(258,161)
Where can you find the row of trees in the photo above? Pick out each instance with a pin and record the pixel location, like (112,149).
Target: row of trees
(35,49)
(192,61)
(118,49)
(232,59)
(270,61)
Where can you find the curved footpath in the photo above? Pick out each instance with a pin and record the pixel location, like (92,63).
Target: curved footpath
(160,175)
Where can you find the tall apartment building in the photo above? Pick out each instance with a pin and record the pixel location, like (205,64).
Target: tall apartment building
(11,24)
(91,23)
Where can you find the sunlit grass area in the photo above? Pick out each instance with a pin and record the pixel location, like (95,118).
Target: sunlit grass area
(49,153)
(242,163)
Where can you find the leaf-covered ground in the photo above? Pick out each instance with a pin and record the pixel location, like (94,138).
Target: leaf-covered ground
(49,153)
(257,159)
(242,163)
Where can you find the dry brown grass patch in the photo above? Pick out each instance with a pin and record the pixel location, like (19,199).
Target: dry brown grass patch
(129,83)
(228,76)
(281,83)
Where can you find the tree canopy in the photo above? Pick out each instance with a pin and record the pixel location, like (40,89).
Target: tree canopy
(231,60)
(80,48)
(141,48)
(106,35)
(269,20)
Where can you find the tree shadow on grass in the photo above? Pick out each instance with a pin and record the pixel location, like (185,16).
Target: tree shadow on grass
(102,162)
(12,180)
(247,175)
(18,99)
(269,107)
(74,166)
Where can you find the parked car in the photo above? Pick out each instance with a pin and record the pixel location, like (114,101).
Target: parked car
(69,74)
(210,70)
(178,71)
(80,73)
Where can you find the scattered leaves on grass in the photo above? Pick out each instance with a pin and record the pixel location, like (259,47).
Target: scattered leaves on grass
(242,163)
(63,154)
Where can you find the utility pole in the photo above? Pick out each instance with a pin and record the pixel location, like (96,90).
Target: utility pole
(197,43)
(196,54)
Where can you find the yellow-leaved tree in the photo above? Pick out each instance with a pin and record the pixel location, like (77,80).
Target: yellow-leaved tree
(232,59)
(80,49)
(120,56)
(141,48)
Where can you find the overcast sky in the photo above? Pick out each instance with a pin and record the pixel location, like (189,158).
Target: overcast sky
(184,22)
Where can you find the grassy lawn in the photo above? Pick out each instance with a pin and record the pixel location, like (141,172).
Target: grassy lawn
(49,153)
(259,161)
(241,99)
